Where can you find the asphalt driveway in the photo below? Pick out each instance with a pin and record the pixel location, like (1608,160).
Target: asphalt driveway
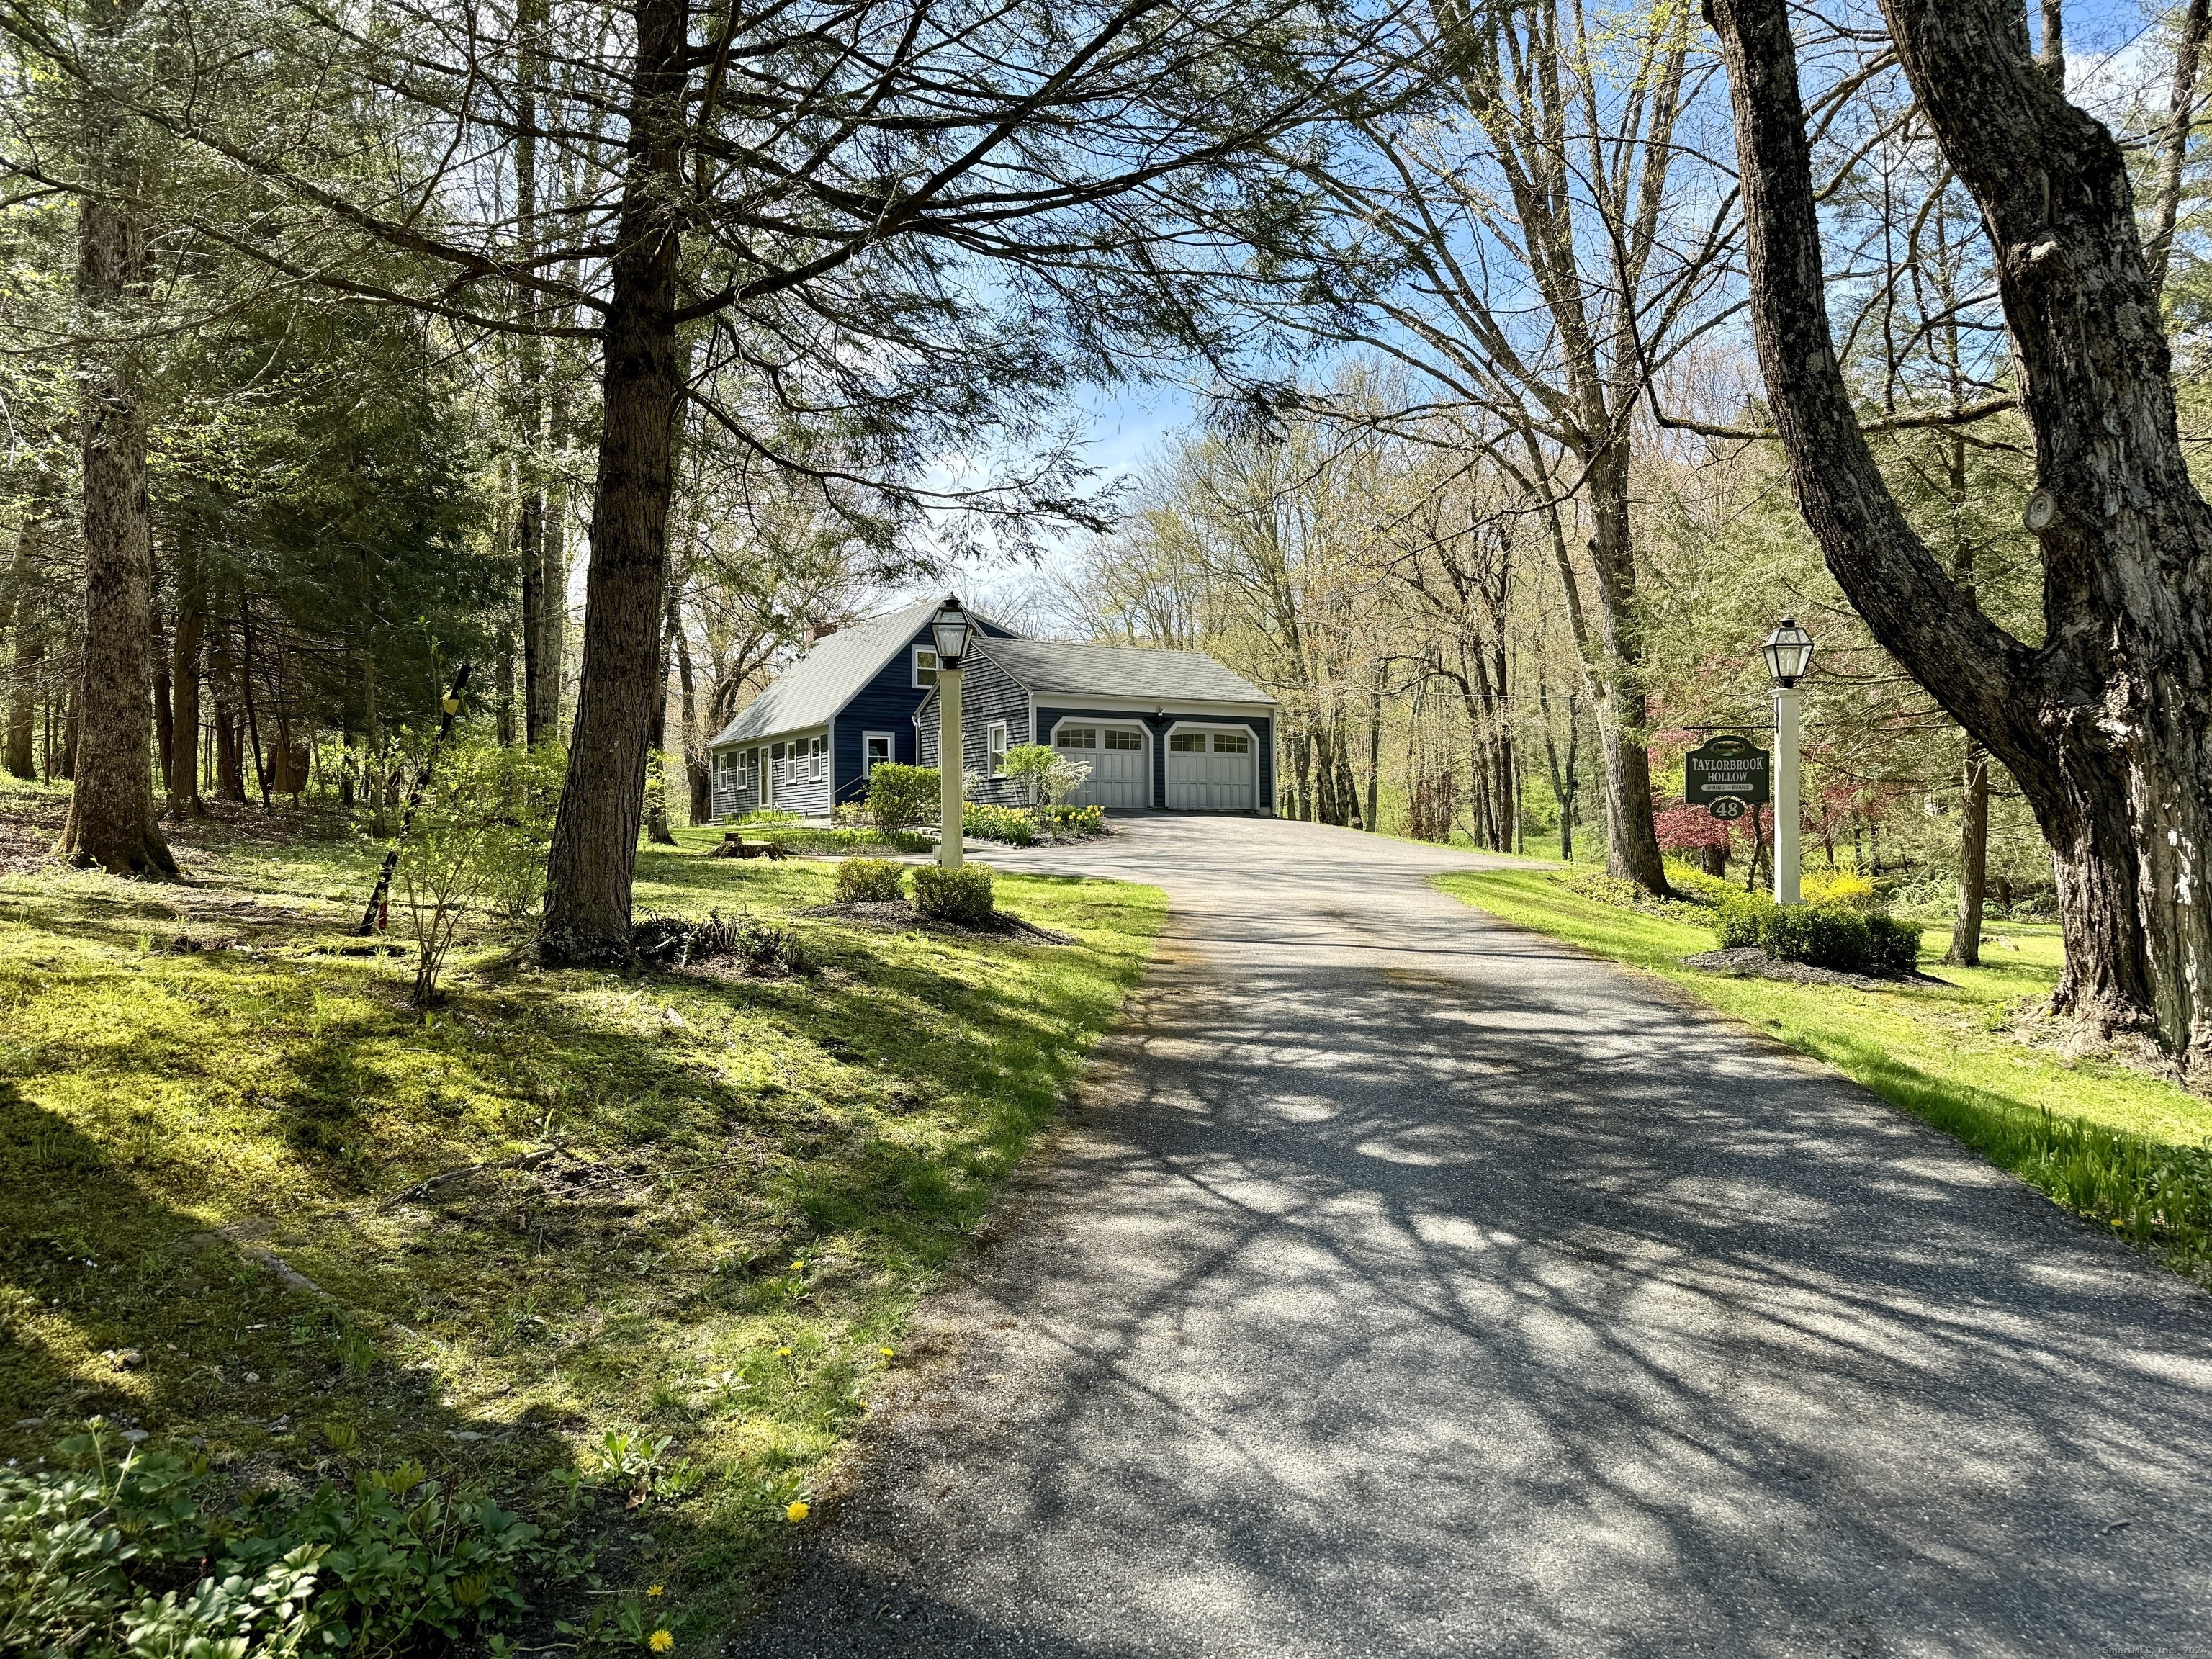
(1406,1284)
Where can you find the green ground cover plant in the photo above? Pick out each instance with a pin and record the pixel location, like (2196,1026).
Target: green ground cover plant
(2106,1141)
(633,1249)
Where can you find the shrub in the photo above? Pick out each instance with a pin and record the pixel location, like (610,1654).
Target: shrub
(1841,887)
(1694,886)
(1823,935)
(1740,923)
(870,881)
(961,896)
(999,824)
(477,841)
(901,796)
(1820,935)
(1895,945)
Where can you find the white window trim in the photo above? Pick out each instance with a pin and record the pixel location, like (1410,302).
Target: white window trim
(818,758)
(891,750)
(995,748)
(915,654)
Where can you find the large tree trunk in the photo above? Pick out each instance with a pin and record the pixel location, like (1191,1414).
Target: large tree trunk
(587,906)
(1632,847)
(111,811)
(2108,728)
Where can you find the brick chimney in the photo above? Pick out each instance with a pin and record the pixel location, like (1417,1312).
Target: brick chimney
(818,632)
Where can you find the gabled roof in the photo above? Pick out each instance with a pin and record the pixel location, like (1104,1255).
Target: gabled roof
(812,690)
(1120,670)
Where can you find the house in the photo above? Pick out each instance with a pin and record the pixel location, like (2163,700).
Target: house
(1172,730)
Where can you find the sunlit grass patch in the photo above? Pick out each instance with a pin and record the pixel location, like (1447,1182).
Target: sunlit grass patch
(221,1140)
(2105,1141)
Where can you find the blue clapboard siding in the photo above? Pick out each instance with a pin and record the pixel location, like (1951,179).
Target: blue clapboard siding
(1262,727)
(987,693)
(886,703)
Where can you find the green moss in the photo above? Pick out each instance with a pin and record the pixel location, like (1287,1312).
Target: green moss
(2104,1140)
(175,1120)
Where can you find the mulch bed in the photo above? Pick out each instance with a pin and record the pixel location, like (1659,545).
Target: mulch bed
(1749,962)
(899,913)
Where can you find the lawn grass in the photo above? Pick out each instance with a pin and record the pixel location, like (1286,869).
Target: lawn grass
(214,1157)
(2105,1141)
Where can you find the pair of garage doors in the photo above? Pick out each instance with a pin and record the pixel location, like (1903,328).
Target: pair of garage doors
(1209,771)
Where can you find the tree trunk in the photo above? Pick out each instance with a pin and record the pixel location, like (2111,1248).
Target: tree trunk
(111,811)
(587,907)
(1973,859)
(657,829)
(30,637)
(698,774)
(183,779)
(2174,148)
(245,685)
(2108,728)
(222,678)
(1631,842)
(1374,754)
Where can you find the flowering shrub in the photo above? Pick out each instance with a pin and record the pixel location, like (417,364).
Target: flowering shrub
(1073,820)
(999,824)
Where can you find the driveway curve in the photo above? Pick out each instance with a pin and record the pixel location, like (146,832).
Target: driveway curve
(1406,1284)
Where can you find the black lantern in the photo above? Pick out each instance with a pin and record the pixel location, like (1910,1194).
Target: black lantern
(1788,653)
(951,631)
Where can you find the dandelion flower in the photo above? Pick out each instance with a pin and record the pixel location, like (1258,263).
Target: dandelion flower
(652,1590)
(783,1353)
(661,1641)
(887,1353)
(799,1266)
(798,1510)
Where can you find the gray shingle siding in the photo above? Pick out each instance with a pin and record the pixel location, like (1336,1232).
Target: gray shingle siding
(988,695)
(886,703)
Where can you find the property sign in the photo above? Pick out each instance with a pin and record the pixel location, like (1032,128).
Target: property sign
(1726,775)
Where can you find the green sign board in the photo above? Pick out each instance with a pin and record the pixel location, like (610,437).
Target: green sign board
(1727,774)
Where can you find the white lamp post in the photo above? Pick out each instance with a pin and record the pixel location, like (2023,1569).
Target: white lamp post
(1789,651)
(950,630)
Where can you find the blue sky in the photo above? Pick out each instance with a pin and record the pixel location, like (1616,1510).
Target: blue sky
(1123,426)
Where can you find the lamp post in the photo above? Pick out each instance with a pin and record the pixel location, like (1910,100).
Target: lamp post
(1789,651)
(950,631)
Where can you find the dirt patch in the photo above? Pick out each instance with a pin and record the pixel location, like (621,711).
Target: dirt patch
(901,914)
(1749,962)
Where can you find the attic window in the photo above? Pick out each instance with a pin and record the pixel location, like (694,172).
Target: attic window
(924,666)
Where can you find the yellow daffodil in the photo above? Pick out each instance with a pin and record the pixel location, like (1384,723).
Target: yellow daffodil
(652,1590)
(661,1641)
(798,1510)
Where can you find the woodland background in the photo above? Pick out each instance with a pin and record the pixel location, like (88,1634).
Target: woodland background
(1479,482)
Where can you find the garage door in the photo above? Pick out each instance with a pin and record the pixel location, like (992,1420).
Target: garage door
(1211,772)
(1120,779)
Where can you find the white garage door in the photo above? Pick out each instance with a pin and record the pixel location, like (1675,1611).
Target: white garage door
(1211,772)
(1120,778)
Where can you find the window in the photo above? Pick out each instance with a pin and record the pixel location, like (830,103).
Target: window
(1187,742)
(994,745)
(1122,738)
(1077,737)
(924,666)
(821,758)
(876,749)
(1231,743)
